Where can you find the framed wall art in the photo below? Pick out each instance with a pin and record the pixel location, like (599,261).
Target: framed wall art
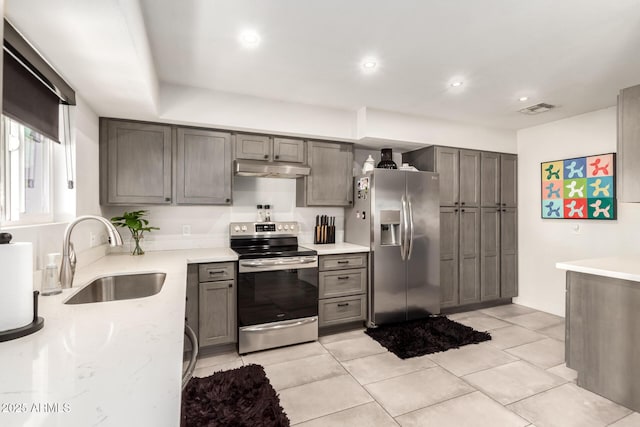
(579,188)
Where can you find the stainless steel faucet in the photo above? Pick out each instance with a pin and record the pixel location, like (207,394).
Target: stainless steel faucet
(68,267)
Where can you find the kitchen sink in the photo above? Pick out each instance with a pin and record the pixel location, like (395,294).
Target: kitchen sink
(120,287)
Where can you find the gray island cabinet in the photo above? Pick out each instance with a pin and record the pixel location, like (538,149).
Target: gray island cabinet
(603,326)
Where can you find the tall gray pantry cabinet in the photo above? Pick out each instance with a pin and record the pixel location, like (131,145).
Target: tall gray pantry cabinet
(478,222)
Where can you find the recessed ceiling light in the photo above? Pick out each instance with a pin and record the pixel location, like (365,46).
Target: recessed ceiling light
(457,83)
(523,98)
(369,64)
(249,38)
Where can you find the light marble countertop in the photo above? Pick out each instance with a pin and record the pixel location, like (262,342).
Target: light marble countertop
(115,363)
(336,248)
(626,267)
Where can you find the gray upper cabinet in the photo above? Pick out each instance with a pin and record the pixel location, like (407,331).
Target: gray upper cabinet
(469,178)
(508,180)
(135,163)
(469,278)
(203,167)
(267,148)
(449,218)
(288,150)
(489,253)
(330,182)
(446,164)
(509,252)
(628,179)
(252,147)
(489,179)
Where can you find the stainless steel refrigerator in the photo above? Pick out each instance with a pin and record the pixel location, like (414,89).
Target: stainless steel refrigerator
(397,214)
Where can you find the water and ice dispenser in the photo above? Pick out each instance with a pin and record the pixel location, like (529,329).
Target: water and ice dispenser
(390,227)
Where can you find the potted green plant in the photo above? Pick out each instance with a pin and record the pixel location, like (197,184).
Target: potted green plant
(136,224)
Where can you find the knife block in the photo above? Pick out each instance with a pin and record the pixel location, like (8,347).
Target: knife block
(324,234)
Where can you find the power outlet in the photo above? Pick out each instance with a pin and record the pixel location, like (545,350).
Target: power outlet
(93,239)
(186,230)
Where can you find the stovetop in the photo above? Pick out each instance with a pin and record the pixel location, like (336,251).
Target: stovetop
(266,240)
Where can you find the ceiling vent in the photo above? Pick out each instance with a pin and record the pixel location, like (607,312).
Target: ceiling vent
(537,109)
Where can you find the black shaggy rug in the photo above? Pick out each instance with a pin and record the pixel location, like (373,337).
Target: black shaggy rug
(425,336)
(238,397)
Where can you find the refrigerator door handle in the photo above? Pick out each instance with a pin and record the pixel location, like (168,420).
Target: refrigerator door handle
(403,228)
(410,250)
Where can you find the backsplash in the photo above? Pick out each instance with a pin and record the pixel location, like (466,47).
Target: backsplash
(210,224)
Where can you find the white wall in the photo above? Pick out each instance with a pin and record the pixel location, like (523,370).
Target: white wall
(210,224)
(542,243)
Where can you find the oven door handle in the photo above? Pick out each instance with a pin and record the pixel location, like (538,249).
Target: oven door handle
(274,263)
(281,325)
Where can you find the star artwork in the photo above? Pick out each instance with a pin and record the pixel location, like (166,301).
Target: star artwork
(580,188)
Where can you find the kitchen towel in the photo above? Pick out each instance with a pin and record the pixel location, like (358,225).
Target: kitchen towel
(16,285)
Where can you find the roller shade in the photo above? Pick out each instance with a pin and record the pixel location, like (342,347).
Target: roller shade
(32,90)
(27,100)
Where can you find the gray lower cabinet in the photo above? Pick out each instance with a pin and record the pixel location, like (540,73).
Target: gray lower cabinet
(203,167)
(449,264)
(342,289)
(628,162)
(330,182)
(135,163)
(469,279)
(508,252)
(489,254)
(217,304)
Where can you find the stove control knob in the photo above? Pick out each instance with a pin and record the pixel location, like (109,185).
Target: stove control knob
(244,228)
(279,227)
(236,228)
(293,226)
(286,226)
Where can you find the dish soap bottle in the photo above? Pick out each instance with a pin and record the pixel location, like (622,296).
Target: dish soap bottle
(50,282)
(267,213)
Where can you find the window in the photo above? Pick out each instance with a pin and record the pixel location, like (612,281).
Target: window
(25,175)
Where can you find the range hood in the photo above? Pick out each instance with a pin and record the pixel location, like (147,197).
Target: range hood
(269,170)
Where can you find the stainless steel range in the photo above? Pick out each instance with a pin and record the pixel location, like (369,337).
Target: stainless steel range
(277,286)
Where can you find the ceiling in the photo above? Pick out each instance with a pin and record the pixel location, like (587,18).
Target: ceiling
(575,54)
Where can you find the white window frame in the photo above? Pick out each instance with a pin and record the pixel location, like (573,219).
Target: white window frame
(5,202)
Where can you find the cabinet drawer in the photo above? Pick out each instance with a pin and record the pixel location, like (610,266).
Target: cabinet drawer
(217,271)
(343,261)
(342,282)
(341,310)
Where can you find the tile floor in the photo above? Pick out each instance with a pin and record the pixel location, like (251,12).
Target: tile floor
(516,379)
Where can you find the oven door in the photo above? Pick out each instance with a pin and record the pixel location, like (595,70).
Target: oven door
(277,289)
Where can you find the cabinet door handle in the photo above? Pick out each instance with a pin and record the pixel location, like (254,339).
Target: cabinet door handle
(455,203)
(343,277)
(343,262)
(461,210)
(216,272)
(462,203)
(167,199)
(231,285)
(498,210)
(277,157)
(227,200)
(456,210)
(504,210)
(266,156)
(504,204)
(343,304)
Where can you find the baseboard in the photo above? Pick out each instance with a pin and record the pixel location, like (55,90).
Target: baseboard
(475,306)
